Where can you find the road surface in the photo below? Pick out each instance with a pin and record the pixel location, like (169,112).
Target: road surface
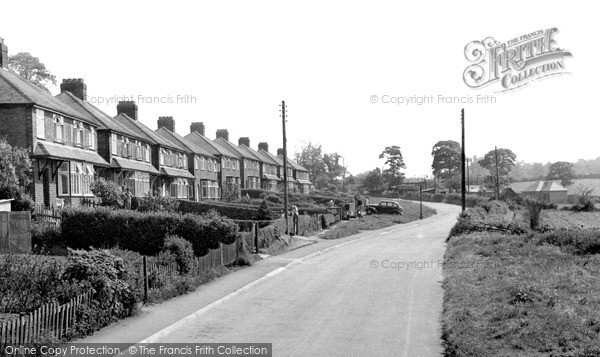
(378,296)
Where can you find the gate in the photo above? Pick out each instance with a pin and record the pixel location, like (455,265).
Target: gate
(15,232)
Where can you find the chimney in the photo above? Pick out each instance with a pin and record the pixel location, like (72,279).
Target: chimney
(197,127)
(280,152)
(166,122)
(263,146)
(223,133)
(3,54)
(129,108)
(244,141)
(75,86)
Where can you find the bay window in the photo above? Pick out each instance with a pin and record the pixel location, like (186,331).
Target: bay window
(63,179)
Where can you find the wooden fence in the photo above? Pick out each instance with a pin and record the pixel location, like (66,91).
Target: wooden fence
(15,232)
(51,319)
(49,215)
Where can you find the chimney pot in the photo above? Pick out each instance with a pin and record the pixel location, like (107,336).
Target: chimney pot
(197,127)
(280,152)
(263,146)
(129,108)
(244,141)
(76,86)
(166,122)
(223,133)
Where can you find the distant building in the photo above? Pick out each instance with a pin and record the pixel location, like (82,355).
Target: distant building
(508,194)
(546,191)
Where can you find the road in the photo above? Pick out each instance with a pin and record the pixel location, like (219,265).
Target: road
(378,296)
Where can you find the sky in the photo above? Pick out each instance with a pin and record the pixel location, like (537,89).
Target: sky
(229,64)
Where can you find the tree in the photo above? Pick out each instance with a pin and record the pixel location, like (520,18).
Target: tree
(334,169)
(29,67)
(15,172)
(446,158)
(393,158)
(311,157)
(108,192)
(563,171)
(373,182)
(506,160)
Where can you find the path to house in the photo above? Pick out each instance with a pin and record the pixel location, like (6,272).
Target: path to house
(377,295)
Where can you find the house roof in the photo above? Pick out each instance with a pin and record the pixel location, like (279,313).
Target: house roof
(293,164)
(241,150)
(15,89)
(277,160)
(208,145)
(127,164)
(171,171)
(88,110)
(574,189)
(146,132)
(183,142)
(545,186)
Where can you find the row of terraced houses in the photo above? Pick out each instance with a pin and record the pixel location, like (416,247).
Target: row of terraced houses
(73,142)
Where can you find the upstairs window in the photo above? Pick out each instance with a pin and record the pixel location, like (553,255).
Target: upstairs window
(78,133)
(59,128)
(161,157)
(40,123)
(113,144)
(91,142)
(148,155)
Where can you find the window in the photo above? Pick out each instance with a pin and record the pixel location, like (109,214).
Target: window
(40,123)
(161,157)
(113,147)
(202,163)
(59,127)
(196,163)
(63,179)
(87,179)
(78,133)
(92,139)
(147,151)
(82,175)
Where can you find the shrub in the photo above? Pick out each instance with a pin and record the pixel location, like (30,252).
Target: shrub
(264,214)
(274,198)
(156,203)
(535,209)
(44,236)
(577,241)
(233,211)
(108,192)
(182,251)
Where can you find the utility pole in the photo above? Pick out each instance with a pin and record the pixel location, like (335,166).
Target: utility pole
(497,174)
(421,200)
(285,178)
(468,178)
(462,160)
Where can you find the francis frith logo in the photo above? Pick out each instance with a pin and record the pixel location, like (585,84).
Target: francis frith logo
(514,63)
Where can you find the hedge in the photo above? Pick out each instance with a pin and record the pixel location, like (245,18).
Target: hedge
(233,211)
(143,232)
(454,199)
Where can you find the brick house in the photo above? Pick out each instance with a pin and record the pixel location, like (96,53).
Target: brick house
(249,163)
(205,185)
(228,163)
(63,142)
(270,169)
(546,191)
(301,176)
(128,151)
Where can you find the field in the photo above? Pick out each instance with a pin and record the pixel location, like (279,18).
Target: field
(533,294)
(347,228)
(568,219)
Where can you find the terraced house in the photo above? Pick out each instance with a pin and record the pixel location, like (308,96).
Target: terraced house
(249,163)
(270,169)
(228,164)
(63,142)
(127,149)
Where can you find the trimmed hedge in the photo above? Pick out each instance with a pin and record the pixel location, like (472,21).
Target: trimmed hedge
(143,232)
(234,211)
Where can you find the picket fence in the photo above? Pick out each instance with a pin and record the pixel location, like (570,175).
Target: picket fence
(51,319)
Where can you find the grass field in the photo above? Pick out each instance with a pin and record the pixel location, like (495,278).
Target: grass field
(371,222)
(569,219)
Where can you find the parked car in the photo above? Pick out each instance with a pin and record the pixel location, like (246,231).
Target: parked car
(385,207)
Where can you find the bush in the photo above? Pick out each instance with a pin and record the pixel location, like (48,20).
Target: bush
(44,237)
(233,211)
(182,251)
(108,192)
(143,232)
(274,198)
(155,203)
(576,241)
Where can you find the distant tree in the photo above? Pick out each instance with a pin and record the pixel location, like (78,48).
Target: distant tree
(563,171)
(311,157)
(29,67)
(334,168)
(392,176)
(506,160)
(15,171)
(373,182)
(446,158)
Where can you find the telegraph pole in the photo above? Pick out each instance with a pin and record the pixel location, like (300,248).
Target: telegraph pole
(421,200)
(497,174)
(462,160)
(285,178)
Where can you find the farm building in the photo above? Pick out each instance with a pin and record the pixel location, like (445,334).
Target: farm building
(546,191)
(573,191)
(508,194)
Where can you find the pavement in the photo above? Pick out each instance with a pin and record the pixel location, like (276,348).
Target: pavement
(367,294)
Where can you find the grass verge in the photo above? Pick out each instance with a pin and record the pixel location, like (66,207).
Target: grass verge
(372,222)
(521,295)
